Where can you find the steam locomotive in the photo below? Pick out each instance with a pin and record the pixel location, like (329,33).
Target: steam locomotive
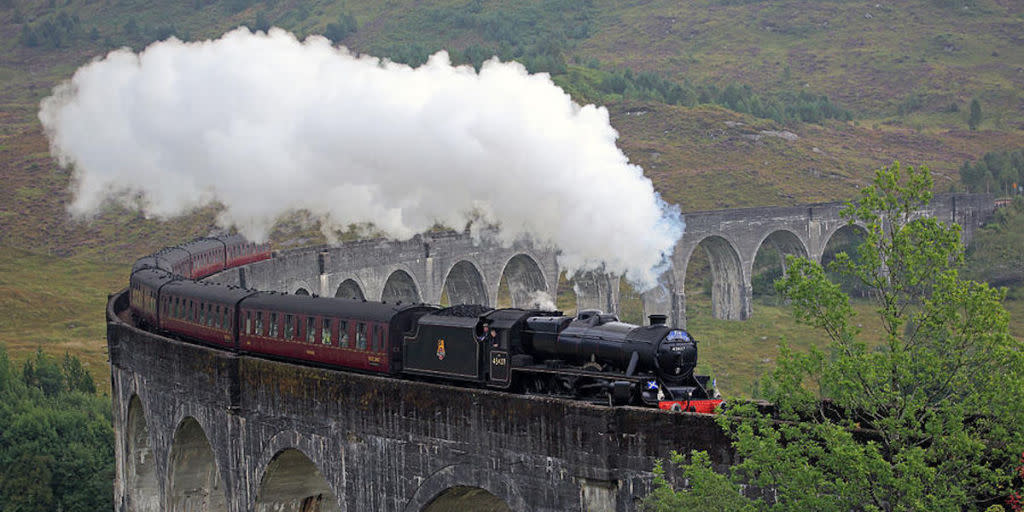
(590,356)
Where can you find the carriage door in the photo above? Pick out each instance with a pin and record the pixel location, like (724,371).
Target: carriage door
(500,374)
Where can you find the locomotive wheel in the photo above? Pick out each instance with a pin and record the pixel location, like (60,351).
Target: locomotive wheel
(593,366)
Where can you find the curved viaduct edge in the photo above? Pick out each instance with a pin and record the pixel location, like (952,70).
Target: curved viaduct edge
(525,450)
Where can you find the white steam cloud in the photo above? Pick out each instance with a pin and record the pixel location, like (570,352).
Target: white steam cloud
(541,299)
(266,124)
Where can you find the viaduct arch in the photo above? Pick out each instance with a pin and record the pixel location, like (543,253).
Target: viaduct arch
(470,269)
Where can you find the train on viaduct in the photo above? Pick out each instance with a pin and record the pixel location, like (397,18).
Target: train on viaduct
(200,429)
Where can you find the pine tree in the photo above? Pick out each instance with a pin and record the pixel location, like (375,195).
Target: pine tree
(975,117)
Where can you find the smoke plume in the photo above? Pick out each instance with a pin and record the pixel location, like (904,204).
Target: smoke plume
(541,299)
(266,124)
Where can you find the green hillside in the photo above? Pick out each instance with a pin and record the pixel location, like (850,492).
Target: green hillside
(724,103)
(692,86)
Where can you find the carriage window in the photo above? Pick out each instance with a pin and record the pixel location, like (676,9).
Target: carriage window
(273,325)
(289,328)
(248,322)
(218,319)
(374,331)
(202,314)
(325,331)
(310,330)
(361,336)
(259,324)
(343,334)
(380,338)
(227,318)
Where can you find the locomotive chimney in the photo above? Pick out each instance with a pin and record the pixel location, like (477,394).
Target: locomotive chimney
(658,319)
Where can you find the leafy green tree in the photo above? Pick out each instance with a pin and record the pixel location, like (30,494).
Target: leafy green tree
(41,372)
(56,440)
(76,378)
(974,119)
(996,172)
(931,419)
(708,492)
(341,29)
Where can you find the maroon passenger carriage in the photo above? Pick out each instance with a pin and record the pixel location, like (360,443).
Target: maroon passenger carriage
(205,256)
(202,311)
(353,334)
(144,292)
(238,251)
(209,314)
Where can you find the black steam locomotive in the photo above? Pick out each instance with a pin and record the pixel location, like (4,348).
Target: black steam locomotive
(590,356)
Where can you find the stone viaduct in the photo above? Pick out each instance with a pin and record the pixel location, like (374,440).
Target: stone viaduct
(199,429)
(203,430)
(470,269)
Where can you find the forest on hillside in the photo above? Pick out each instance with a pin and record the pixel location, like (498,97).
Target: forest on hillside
(57,444)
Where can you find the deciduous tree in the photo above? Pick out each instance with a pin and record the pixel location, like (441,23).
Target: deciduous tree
(931,419)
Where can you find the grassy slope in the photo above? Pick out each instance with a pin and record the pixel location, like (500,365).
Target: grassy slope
(868,64)
(57,303)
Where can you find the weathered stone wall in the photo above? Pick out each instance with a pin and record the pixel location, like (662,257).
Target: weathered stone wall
(381,443)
